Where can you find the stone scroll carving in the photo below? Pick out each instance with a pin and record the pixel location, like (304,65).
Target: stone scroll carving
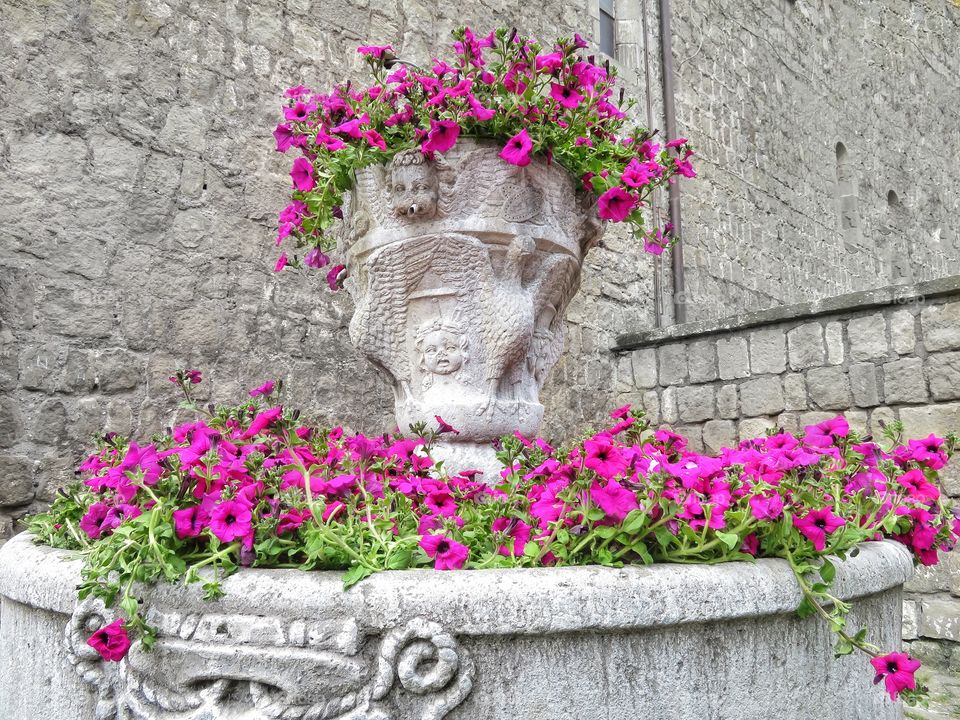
(215,667)
(461,268)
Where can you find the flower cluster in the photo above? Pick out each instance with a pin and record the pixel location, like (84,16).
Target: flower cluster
(252,485)
(533,100)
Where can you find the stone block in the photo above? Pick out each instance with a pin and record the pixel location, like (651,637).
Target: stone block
(651,406)
(672,361)
(754,427)
(903,337)
(624,374)
(919,422)
(702,361)
(880,415)
(695,403)
(644,363)
(911,620)
(48,422)
(943,577)
(868,338)
(829,388)
(834,340)
(16,480)
(117,370)
(815,418)
(903,381)
(805,346)
(940,325)
(857,420)
(9,422)
(768,351)
(940,619)
(789,421)
(727,404)
(794,392)
(668,405)
(718,434)
(733,360)
(943,369)
(761,396)
(863,384)
(694,436)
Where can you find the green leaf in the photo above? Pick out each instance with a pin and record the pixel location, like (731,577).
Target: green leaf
(806,609)
(828,571)
(354,575)
(731,540)
(400,559)
(843,647)
(635,520)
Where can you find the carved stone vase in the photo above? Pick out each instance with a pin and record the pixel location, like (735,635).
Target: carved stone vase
(461,268)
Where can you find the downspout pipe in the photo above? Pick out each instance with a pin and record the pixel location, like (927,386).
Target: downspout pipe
(670,118)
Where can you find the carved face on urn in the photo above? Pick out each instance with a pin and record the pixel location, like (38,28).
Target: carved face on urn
(442,346)
(413,186)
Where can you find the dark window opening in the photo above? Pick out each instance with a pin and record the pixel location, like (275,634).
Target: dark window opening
(608,40)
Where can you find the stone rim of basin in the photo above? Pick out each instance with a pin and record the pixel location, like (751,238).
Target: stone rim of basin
(483,601)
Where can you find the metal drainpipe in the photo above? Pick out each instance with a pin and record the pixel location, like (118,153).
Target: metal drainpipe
(655,203)
(670,118)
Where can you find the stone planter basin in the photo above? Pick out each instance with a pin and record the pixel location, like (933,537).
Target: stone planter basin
(664,642)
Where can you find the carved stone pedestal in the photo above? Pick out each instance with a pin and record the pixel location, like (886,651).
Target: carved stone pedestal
(461,267)
(659,643)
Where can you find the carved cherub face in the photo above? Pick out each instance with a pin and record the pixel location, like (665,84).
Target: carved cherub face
(442,353)
(413,190)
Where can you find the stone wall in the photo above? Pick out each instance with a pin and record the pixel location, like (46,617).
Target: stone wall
(139,192)
(873,356)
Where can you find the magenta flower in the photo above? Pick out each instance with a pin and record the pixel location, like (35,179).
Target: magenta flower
(375,51)
(335,277)
(565,95)
(261,422)
(264,389)
(445,427)
(518,149)
(111,641)
(375,139)
(516,530)
(351,128)
(616,204)
(230,520)
(292,520)
(283,134)
(281,262)
(817,524)
(477,109)
(614,499)
(102,519)
(190,522)
(442,136)
(551,62)
(441,503)
(447,553)
(636,174)
(896,670)
(302,175)
(603,457)
(686,169)
(677,143)
(767,506)
(316,258)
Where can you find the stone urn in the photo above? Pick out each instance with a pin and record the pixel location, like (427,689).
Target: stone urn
(461,267)
(665,642)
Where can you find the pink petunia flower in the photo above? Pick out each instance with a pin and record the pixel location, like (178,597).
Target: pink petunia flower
(292,520)
(264,389)
(316,258)
(442,136)
(445,427)
(897,671)
(817,524)
(516,531)
(231,520)
(603,457)
(441,503)
(518,149)
(190,522)
(335,277)
(565,95)
(111,641)
(614,499)
(447,553)
(302,175)
(283,134)
(616,204)
(281,262)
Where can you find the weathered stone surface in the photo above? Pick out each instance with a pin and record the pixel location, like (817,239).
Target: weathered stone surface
(695,403)
(864,385)
(761,396)
(806,346)
(878,417)
(868,338)
(754,427)
(732,357)
(815,418)
(718,434)
(668,405)
(702,361)
(919,422)
(794,392)
(911,620)
(16,480)
(728,405)
(904,382)
(829,388)
(644,368)
(940,618)
(943,369)
(902,334)
(9,422)
(943,577)
(789,421)
(651,405)
(672,362)
(768,351)
(857,420)
(473,632)
(941,327)
(694,436)
(833,335)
